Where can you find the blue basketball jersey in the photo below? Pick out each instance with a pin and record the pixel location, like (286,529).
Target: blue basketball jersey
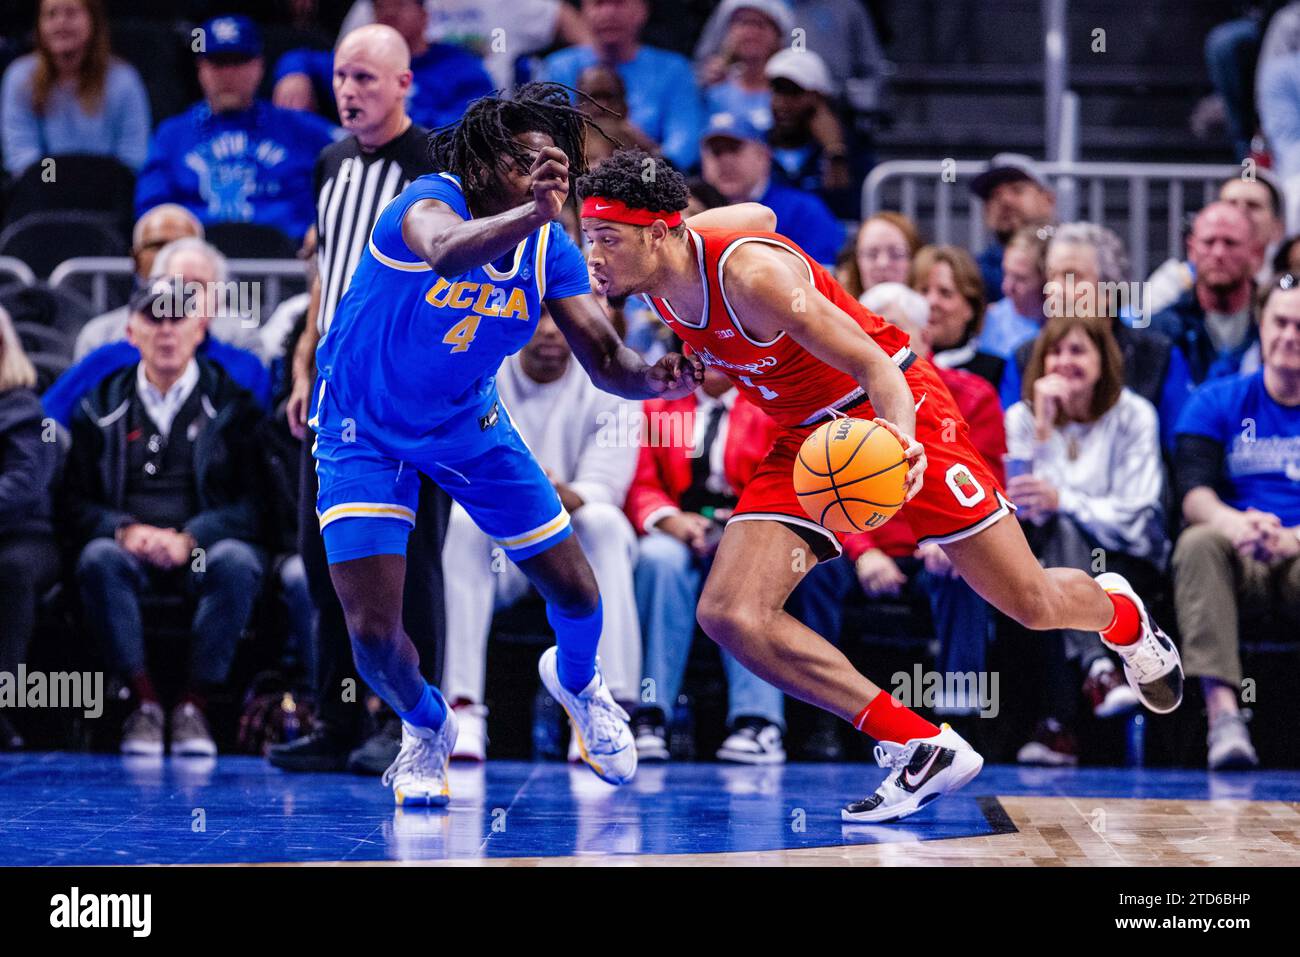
(409,361)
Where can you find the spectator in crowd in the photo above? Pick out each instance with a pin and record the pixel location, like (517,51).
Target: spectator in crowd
(200,265)
(683,493)
(662,98)
(737,162)
(1015,195)
(839,31)
(1212,324)
(809,146)
(1261,199)
(162,499)
(888,562)
(1287,258)
(950,281)
(72,95)
(154,230)
(533,25)
(204,271)
(605,102)
(29,559)
(233,158)
(1083,261)
(1018,315)
(440,79)
(1087,479)
(353,180)
(734,81)
(1237,466)
(1231,52)
(544,387)
(882,251)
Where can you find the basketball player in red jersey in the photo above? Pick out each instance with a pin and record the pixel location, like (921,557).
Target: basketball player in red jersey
(795,342)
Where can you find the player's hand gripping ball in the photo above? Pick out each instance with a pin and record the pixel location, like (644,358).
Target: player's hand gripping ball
(850,474)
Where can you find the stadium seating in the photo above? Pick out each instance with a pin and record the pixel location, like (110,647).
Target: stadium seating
(44,239)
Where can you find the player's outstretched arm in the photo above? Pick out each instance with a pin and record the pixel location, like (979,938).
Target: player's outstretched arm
(747,217)
(451,245)
(611,364)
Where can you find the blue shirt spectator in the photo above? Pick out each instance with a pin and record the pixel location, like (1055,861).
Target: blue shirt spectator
(116,123)
(1261,462)
(233,158)
(662,98)
(1005,329)
(60,399)
(737,162)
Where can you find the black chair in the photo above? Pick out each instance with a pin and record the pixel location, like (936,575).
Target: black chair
(43,240)
(43,339)
(93,184)
(39,305)
(160,52)
(250,241)
(49,366)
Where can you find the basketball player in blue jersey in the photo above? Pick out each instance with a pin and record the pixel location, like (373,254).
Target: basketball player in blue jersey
(451,282)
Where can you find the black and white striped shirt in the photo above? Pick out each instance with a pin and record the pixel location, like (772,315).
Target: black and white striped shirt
(352,187)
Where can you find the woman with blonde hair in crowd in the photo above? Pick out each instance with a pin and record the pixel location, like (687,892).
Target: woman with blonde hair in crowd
(951,282)
(1085,472)
(881,251)
(29,560)
(72,95)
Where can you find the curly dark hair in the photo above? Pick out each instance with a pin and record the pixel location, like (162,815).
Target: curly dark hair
(638,179)
(474,145)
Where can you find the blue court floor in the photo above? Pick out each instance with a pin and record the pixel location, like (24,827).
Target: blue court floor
(87,809)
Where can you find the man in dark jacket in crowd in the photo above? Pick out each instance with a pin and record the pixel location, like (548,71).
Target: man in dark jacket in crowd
(162,496)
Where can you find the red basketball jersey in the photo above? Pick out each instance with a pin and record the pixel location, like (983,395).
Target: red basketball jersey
(782,378)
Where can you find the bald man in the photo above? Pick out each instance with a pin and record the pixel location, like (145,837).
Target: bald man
(154,230)
(1213,322)
(444,77)
(354,179)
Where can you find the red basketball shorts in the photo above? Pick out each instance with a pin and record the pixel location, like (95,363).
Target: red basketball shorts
(959,496)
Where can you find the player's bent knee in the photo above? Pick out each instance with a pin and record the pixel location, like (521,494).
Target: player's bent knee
(725,620)
(1036,608)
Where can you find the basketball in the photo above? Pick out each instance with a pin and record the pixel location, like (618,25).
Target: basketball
(849,475)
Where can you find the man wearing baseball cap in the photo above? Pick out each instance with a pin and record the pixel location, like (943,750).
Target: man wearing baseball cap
(1015,194)
(809,146)
(737,162)
(233,157)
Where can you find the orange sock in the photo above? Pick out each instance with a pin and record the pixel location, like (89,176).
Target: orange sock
(885,719)
(1126,627)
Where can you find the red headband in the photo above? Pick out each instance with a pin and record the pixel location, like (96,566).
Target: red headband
(615,210)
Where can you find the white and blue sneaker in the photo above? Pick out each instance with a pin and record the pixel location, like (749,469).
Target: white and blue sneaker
(1151,664)
(600,726)
(419,775)
(920,771)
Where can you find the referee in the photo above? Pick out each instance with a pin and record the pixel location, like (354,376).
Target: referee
(354,179)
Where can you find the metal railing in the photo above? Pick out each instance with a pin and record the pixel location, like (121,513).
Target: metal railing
(273,274)
(9,266)
(941,189)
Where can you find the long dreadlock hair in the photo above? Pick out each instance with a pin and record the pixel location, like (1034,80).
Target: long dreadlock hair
(474,146)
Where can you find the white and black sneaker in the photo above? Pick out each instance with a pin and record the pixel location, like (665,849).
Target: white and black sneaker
(753,741)
(920,771)
(651,735)
(1151,664)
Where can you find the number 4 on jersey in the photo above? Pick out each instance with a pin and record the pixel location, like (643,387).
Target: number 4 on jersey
(763,390)
(462,333)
